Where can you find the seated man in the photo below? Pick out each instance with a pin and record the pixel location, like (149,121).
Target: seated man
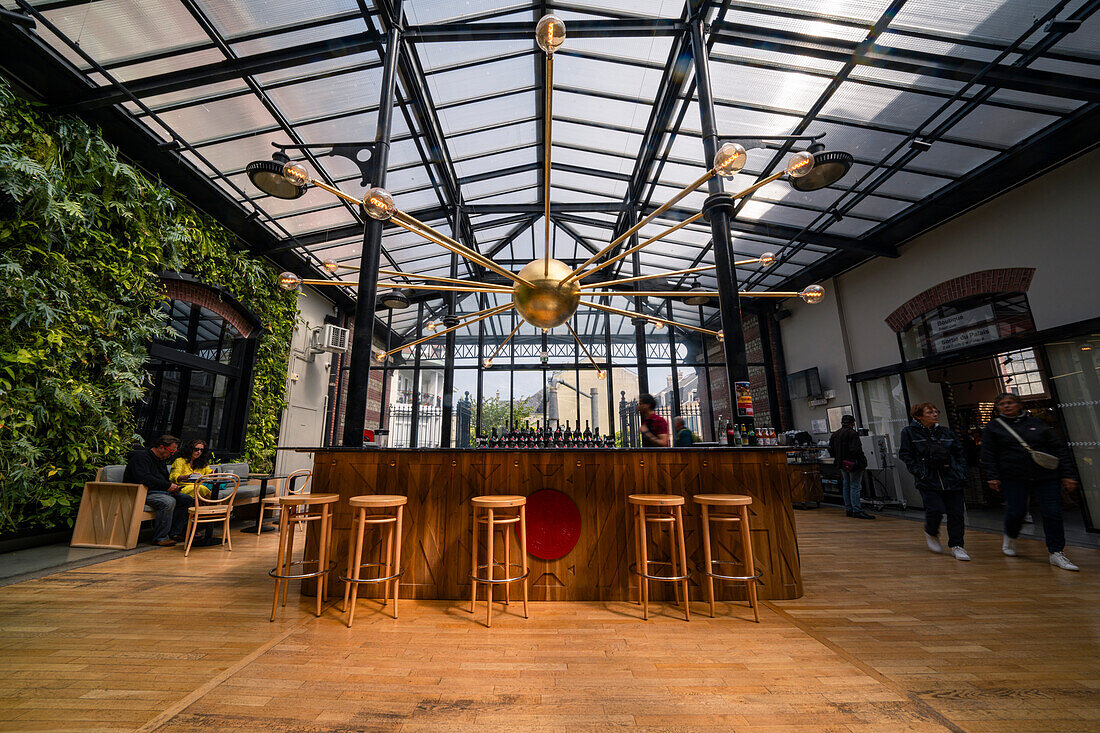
(150,467)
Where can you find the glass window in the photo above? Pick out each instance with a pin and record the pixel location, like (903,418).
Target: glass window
(1075,376)
(882,407)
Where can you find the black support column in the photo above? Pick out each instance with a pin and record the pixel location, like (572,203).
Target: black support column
(719,208)
(355,415)
(449,362)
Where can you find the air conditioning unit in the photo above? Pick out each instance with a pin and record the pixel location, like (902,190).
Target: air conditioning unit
(334,339)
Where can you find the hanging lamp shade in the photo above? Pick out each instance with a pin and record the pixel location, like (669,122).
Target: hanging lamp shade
(269,177)
(696,287)
(395,299)
(829,167)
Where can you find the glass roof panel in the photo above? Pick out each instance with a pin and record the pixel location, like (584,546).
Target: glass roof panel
(112,30)
(491,78)
(986,19)
(653,49)
(329,95)
(496,162)
(597,109)
(865,10)
(777,90)
(441,55)
(477,114)
(439,11)
(245,17)
(296,37)
(636,82)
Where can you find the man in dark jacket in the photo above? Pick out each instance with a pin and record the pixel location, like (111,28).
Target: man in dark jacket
(847,451)
(1010,468)
(937,461)
(150,467)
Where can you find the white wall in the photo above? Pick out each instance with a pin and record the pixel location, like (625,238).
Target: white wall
(307,386)
(1047,224)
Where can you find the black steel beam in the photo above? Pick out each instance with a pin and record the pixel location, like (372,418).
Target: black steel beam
(525,30)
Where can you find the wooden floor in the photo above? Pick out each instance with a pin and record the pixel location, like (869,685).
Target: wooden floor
(888,637)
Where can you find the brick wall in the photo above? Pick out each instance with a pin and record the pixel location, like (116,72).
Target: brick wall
(982,282)
(207,298)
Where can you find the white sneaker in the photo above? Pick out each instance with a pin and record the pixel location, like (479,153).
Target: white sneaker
(960,554)
(1008,547)
(1059,559)
(933,543)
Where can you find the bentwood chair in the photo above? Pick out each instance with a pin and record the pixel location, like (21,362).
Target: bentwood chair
(208,510)
(289,487)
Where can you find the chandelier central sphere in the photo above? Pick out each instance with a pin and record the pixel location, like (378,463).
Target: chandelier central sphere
(546,302)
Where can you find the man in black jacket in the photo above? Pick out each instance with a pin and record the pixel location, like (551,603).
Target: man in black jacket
(1010,468)
(847,451)
(150,467)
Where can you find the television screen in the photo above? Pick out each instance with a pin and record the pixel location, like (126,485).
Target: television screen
(805,384)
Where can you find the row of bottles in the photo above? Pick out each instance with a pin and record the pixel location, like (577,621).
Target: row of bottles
(542,436)
(744,436)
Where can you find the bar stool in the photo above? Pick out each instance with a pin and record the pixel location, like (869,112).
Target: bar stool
(497,521)
(674,520)
(391,568)
(296,509)
(740,517)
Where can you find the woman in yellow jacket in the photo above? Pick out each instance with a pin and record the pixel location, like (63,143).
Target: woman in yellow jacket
(193,460)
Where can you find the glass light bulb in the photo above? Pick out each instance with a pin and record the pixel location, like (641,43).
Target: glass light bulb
(331,265)
(729,160)
(296,173)
(812,294)
(767,259)
(550,33)
(379,204)
(379,355)
(800,164)
(721,335)
(289,281)
(658,324)
(601,374)
(487,363)
(431,325)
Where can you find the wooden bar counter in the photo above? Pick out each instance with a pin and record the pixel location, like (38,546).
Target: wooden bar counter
(440,482)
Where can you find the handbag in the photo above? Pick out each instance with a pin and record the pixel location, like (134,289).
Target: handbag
(848,465)
(1043,460)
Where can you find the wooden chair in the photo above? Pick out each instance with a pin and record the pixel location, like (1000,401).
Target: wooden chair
(497,517)
(736,513)
(208,510)
(286,488)
(648,509)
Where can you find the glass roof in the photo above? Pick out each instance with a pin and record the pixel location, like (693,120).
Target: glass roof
(971,82)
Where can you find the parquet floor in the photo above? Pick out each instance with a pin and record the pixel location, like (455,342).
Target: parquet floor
(888,637)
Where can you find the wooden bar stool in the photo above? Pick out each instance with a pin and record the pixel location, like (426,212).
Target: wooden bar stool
(650,508)
(739,516)
(495,512)
(303,509)
(391,568)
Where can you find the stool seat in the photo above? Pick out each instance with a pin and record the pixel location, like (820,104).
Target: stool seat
(378,500)
(656,499)
(723,499)
(309,499)
(498,502)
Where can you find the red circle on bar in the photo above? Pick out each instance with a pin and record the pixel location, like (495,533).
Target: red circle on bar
(553,524)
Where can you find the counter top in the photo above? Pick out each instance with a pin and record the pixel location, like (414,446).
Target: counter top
(368,448)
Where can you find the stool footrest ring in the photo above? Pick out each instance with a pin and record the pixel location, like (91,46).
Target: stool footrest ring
(634,569)
(756,577)
(373,580)
(303,563)
(498,581)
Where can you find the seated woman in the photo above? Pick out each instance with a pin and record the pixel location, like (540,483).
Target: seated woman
(190,463)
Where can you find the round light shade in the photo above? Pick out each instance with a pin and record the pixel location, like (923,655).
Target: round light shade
(289,281)
(379,204)
(800,164)
(450,320)
(331,265)
(296,173)
(828,168)
(767,259)
(696,299)
(268,177)
(550,33)
(544,303)
(395,300)
(812,294)
(729,160)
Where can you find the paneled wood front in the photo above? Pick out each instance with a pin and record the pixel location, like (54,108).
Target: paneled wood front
(439,484)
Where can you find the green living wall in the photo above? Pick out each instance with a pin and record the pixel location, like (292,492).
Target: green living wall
(82,237)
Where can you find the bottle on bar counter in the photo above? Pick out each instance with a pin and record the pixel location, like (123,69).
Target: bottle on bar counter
(587,435)
(730,434)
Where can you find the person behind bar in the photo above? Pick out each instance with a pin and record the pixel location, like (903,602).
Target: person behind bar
(936,459)
(684,437)
(654,427)
(847,451)
(149,467)
(1008,447)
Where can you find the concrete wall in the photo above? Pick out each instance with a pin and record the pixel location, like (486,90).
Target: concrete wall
(307,386)
(1047,224)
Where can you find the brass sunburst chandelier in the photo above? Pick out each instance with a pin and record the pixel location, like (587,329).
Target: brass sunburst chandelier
(547,292)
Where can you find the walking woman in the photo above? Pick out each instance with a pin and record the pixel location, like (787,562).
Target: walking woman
(937,461)
(1022,454)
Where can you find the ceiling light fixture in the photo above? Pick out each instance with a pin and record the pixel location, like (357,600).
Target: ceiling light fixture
(546,293)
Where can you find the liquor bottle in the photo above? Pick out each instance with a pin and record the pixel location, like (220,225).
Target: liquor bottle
(557,436)
(567,435)
(752,437)
(730,434)
(587,435)
(494,441)
(738,439)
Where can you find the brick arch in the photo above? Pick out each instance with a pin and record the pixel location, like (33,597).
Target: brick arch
(982,282)
(209,298)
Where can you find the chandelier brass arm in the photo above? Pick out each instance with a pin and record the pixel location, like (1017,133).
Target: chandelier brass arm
(655,319)
(549,115)
(382,355)
(444,288)
(489,362)
(639,278)
(639,247)
(436,278)
(599,372)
